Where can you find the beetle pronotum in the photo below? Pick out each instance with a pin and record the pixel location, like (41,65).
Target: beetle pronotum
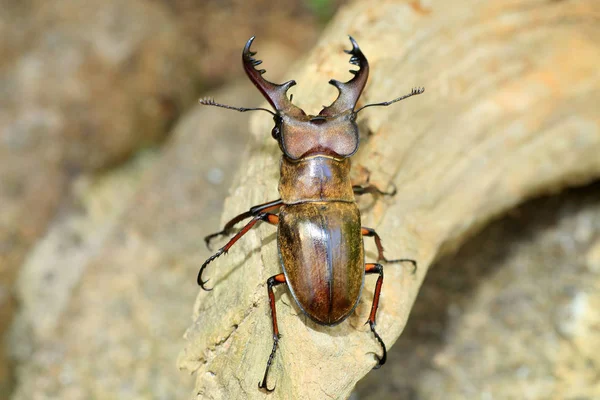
(319,233)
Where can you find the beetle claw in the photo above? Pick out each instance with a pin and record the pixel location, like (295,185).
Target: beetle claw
(210,259)
(379,363)
(263,385)
(391,192)
(202,283)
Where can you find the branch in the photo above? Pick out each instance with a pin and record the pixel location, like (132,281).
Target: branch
(509,113)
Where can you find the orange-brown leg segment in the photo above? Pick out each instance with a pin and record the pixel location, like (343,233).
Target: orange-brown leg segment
(267,217)
(380,257)
(254,211)
(272,281)
(372,268)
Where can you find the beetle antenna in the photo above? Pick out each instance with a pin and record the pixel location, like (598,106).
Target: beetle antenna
(414,92)
(209,101)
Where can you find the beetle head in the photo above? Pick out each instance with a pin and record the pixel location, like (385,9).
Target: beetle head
(333,132)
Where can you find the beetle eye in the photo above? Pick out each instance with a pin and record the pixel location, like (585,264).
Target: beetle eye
(275,132)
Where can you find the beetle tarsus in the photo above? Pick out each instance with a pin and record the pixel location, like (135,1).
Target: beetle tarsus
(263,384)
(380,360)
(401,260)
(212,236)
(202,282)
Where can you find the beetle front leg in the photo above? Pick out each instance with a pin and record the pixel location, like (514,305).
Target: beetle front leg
(272,281)
(380,257)
(254,211)
(372,268)
(267,217)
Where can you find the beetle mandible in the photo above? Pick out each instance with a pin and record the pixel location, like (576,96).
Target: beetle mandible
(319,233)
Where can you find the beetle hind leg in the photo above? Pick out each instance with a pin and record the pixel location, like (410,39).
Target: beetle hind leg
(372,268)
(272,281)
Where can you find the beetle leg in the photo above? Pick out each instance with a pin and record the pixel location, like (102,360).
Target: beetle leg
(272,281)
(380,257)
(254,211)
(372,189)
(372,268)
(267,217)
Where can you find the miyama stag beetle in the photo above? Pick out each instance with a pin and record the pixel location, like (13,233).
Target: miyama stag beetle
(319,233)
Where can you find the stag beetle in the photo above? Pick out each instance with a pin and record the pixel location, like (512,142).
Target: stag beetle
(319,235)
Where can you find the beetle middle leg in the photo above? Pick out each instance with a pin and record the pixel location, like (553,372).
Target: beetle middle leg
(263,216)
(272,281)
(372,268)
(372,189)
(380,257)
(364,186)
(252,212)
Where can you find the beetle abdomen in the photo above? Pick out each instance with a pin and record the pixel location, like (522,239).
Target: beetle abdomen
(321,251)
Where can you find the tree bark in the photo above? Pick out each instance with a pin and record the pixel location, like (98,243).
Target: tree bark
(510,112)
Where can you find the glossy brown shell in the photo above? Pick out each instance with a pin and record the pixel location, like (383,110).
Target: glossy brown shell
(317,178)
(321,252)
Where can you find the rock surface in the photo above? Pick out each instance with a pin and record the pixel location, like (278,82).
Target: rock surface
(83,85)
(127,247)
(217,29)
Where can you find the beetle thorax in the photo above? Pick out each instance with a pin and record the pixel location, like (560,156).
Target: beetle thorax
(315,178)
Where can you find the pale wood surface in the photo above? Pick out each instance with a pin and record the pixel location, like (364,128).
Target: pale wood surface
(510,111)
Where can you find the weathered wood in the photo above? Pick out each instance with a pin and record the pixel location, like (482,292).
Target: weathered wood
(510,112)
